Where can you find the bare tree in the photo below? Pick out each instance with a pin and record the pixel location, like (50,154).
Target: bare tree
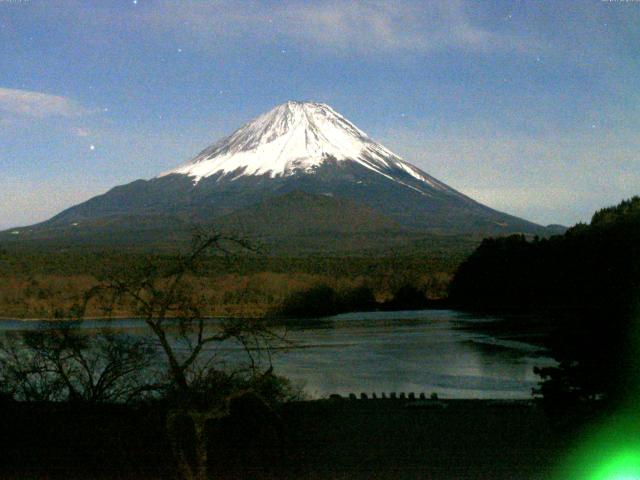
(161,294)
(63,364)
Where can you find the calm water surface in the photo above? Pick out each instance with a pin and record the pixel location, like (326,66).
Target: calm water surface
(413,351)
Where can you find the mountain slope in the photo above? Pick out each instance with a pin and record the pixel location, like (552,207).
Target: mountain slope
(299,213)
(298,223)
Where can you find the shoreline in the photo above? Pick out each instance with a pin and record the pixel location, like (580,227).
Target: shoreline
(119,317)
(433,305)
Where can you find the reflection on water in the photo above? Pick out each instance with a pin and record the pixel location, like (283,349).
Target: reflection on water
(421,351)
(414,351)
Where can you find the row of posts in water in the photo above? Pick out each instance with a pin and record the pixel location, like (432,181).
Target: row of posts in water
(392,396)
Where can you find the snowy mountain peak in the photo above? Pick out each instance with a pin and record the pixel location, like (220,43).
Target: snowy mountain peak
(299,126)
(291,138)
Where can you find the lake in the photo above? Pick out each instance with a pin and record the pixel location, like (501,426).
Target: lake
(409,351)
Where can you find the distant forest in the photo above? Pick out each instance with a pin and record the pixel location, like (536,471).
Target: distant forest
(587,280)
(37,284)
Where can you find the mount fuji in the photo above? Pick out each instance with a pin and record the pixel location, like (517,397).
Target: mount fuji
(298,173)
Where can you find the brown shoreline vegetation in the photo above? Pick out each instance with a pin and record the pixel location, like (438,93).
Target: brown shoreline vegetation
(48,296)
(43,283)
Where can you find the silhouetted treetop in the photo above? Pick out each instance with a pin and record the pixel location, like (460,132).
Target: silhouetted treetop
(587,280)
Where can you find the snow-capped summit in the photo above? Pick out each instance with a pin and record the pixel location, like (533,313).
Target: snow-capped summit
(291,138)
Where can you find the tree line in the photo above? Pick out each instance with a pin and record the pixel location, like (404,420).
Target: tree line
(587,280)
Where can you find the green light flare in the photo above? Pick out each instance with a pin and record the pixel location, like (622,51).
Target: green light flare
(623,466)
(610,451)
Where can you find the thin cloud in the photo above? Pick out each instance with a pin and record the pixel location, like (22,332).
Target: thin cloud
(375,26)
(362,27)
(38,105)
(334,27)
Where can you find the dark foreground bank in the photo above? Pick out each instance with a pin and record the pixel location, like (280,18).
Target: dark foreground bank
(340,438)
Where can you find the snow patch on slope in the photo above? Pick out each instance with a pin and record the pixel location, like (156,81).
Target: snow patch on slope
(297,137)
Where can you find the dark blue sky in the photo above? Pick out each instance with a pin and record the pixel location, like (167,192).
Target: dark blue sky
(530,107)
